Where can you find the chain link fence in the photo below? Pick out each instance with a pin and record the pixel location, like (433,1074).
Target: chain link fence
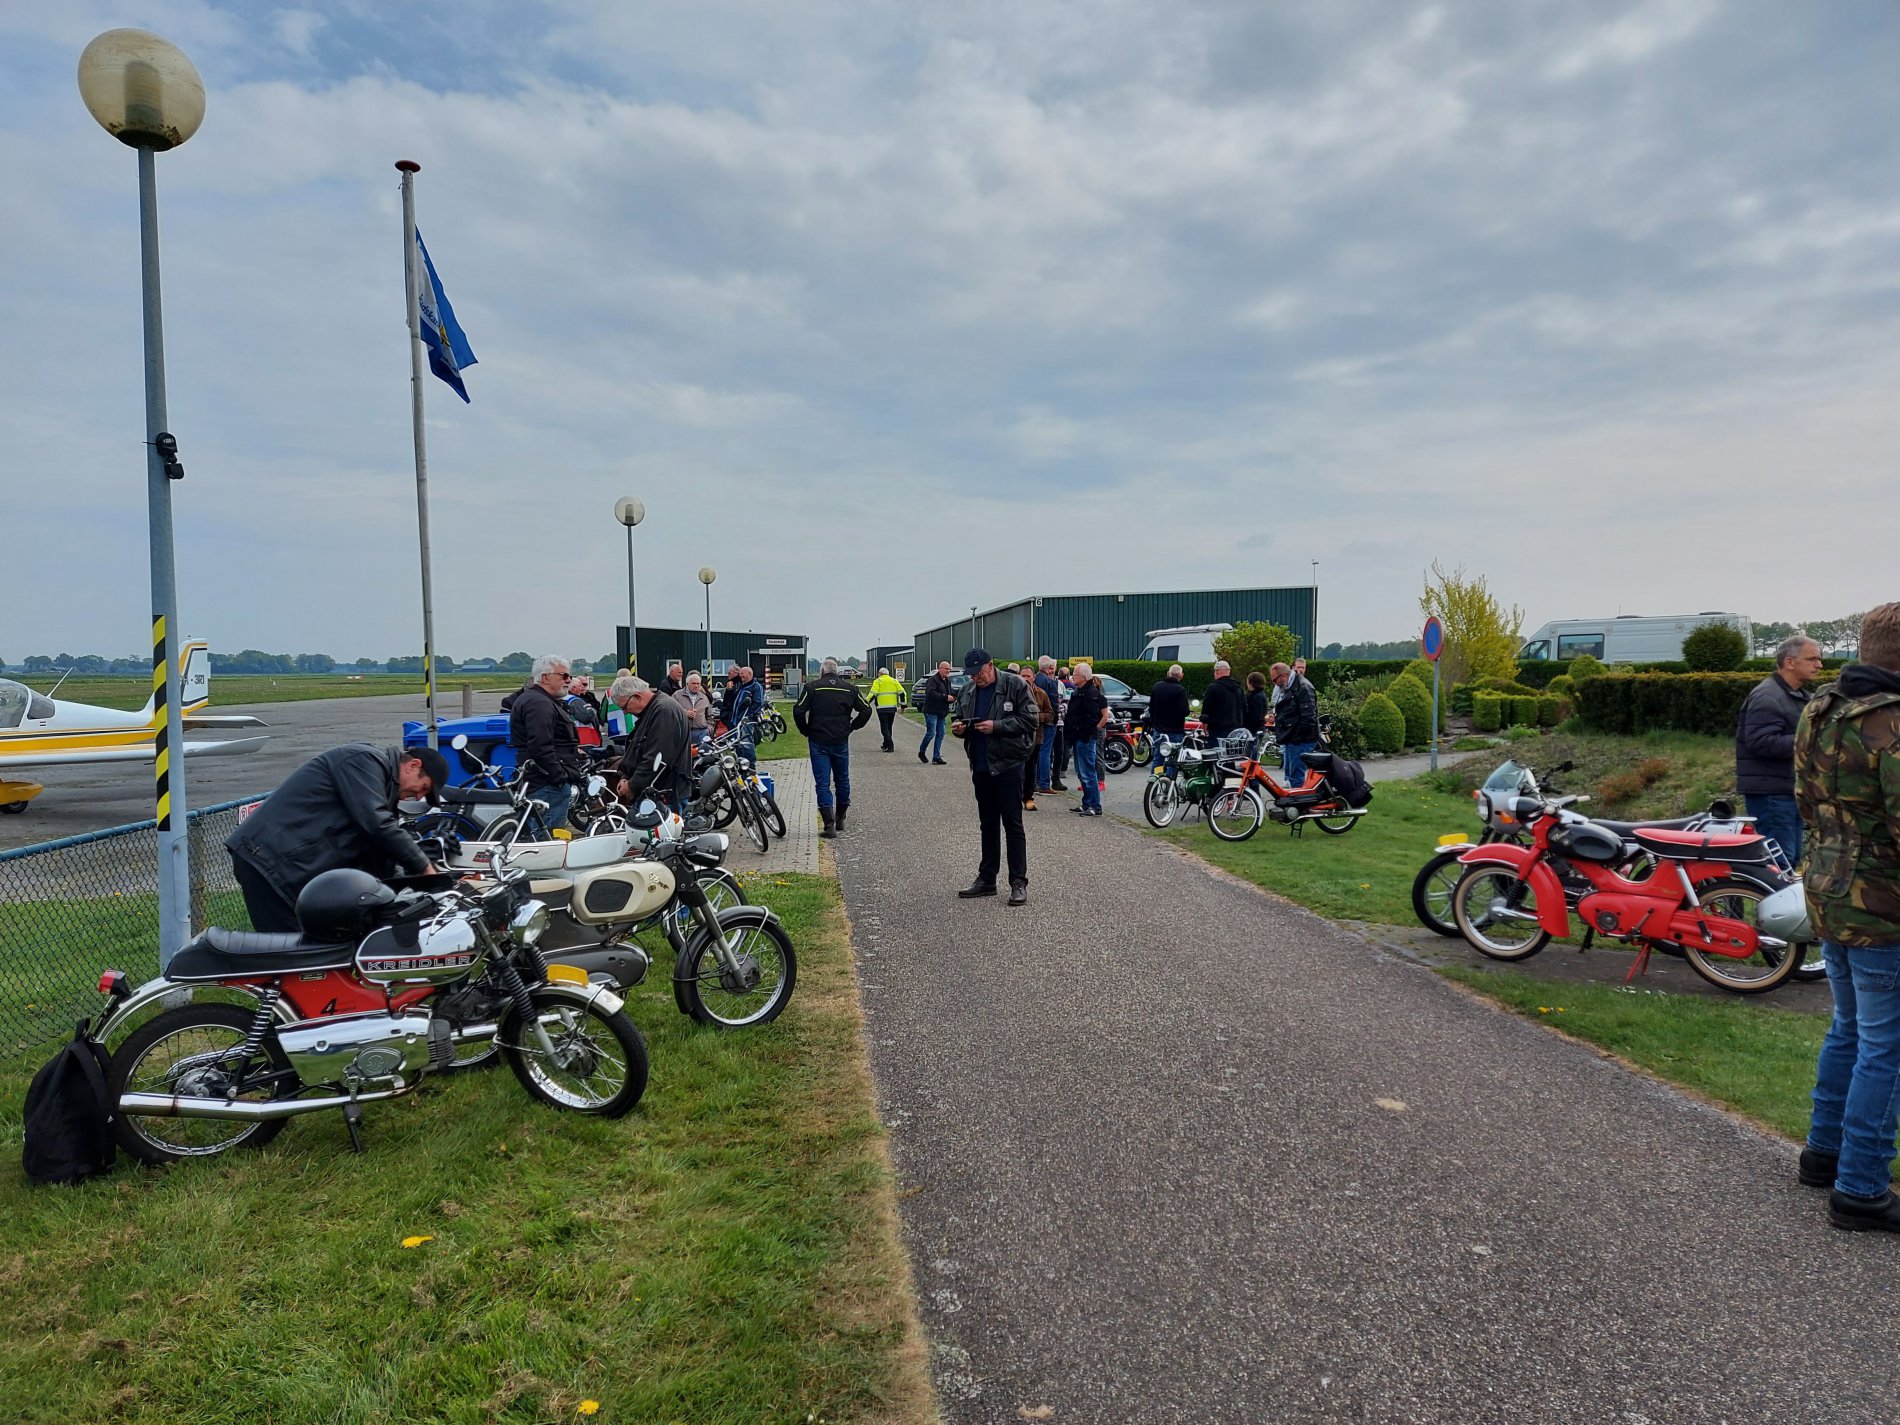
(74,908)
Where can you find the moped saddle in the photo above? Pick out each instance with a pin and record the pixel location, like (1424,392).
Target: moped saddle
(221,954)
(476,797)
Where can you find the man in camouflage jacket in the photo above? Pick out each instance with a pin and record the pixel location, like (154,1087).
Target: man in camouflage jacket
(1847,782)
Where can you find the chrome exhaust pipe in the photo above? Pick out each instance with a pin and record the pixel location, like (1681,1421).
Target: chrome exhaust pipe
(1329,815)
(164,1105)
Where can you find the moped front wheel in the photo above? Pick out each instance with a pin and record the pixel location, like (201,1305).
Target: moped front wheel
(1144,750)
(1432,890)
(191,1052)
(1497,914)
(1235,814)
(750,985)
(1160,801)
(597,1063)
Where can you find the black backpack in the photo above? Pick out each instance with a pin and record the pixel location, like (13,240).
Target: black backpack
(69,1115)
(1349,780)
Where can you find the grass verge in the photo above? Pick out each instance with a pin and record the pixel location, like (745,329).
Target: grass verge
(726,1253)
(231,689)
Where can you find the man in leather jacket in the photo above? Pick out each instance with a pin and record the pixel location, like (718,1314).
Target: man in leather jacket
(541,729)
(936,710)
(997,720)
(1295,721)
(1764,743)
(337,810)
(656,763)
(829,710)
(1224,704)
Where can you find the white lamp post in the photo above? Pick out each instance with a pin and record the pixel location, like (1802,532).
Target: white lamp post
(706,577)
(630,512)
(146,94)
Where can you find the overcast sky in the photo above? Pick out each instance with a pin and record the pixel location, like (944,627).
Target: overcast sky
(886,309)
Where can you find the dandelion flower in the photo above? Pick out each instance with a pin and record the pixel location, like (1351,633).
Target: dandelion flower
(416,1241)
(589,1407)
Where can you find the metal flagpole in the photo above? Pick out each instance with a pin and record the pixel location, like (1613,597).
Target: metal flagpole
(411,281)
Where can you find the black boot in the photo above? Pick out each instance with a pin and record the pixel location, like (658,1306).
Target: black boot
(1864,1214)
(830,821)
(1817,1169)
(1018,893)
(843,807)
(978,887)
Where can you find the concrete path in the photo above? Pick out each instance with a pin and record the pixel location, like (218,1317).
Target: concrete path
(1173,1150)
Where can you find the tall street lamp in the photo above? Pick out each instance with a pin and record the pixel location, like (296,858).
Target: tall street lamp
(706,577)
(1313,652)
(146,94)
(973,642)
(630,512)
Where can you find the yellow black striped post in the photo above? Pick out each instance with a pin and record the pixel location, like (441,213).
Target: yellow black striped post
(161,735)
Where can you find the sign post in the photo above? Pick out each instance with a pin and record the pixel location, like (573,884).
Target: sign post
(1432,643)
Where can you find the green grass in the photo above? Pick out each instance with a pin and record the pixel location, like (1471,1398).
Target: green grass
(233,689)
(1755,1059)
(726,1253)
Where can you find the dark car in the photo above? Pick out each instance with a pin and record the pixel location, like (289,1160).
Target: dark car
(957,680)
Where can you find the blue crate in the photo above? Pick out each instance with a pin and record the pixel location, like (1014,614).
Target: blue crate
(487,739)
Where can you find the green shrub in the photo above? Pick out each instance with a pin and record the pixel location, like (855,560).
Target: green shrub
(1561,686)
(1584,668)
(1458,700)
(1538,673)
(1382,723)
(1142,675)
(1414,700)
(1487,712)
(1325,674)
(1688,702)
(1551,711)
(1346,735)
(1521,711)
(1421,669)
(1714,648)
(1507,687)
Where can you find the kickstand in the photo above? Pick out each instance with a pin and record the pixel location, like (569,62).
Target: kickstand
(353,1120)
(1641,967)
(1589,938)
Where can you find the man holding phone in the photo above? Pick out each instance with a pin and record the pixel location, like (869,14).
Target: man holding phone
(997,719)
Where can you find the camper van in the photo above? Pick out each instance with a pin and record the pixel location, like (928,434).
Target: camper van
(1627,638)
(1194,644)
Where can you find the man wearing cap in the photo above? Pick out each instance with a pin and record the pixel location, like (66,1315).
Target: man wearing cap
(997,720)
(338,809)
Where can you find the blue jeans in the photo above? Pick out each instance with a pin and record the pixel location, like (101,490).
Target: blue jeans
(1163,744)
(933,729)
(1292,755)
(1086,774)
(1045,755)
(1776,815)
(559,796)
(1857,1079)
(828,760)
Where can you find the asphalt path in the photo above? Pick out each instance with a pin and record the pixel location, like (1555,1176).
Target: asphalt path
(1174,1150)
(88,798)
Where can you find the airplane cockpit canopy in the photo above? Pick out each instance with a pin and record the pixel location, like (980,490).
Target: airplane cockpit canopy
(19,703)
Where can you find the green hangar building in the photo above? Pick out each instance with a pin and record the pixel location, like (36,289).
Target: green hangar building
(1069,626)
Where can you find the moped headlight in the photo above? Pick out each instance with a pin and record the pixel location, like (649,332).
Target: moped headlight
(530,923)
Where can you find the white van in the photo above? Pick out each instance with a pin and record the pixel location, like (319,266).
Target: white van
(1194,644)
(1627,638)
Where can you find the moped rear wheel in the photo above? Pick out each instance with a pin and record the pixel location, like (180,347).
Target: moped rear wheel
(1432,889)
(1773,960)
(191,1052)
(1116,757)
(1497,914)
(1336,825)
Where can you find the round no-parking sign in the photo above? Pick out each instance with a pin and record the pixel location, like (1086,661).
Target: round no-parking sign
(1432,641)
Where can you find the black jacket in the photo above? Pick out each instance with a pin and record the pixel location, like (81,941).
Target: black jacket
(1082,718)
(338,809)
(937,694)
(1256,718)
(539,727)
(661,730)
(830,709)
(1013,710)
(1296,715)
(1223,706)
(1764,738)
(1168,707)
(669,685)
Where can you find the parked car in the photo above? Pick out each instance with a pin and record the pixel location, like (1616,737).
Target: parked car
(957,680)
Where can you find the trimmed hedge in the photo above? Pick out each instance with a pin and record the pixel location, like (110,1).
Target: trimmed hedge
(1487,712)
(1551,711)
(1413,700)
(1382,723)
(1141,675)
(1520,711)
(1688,702)
(1561,687)
(1538,674)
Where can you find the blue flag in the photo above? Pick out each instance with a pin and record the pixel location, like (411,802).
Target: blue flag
(449,352)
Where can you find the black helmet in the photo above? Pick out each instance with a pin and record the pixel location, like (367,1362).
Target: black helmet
(342,905)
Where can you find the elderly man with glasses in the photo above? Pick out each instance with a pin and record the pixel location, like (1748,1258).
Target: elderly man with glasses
(541,730)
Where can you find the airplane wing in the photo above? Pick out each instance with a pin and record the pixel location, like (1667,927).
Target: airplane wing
(232,748)
(201,720)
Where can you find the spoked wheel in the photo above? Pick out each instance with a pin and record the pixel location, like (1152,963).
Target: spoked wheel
(1432,889)
(1144,750)
(598,1064)
(774,818)
(191,1052)
(1813,965)
(1773,960)
(722,807)
(1235,814)
(753,988)
(1336,825)
(612,822)
(1160,800)
(1116,757)
(746,808)
(446,823)
(1497,914)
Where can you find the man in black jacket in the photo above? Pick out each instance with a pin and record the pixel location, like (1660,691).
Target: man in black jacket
(936,708)
(1167,712)
(829,710)
(655,763)
(338,809)
(1224,704)
(1295,721)
(541,729)
(674,679)
(1764,742)
(998,722)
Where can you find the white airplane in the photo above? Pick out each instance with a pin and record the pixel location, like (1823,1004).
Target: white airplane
(41,731)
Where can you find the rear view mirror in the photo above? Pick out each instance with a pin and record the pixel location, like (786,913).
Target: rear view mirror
(459,741)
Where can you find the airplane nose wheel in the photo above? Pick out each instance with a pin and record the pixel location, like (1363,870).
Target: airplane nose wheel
(12,808)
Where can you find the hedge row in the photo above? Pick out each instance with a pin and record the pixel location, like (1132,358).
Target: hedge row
(1688,702)
(1142,675)
(1492,712)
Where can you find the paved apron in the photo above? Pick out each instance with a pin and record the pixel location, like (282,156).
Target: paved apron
(1176,1151)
